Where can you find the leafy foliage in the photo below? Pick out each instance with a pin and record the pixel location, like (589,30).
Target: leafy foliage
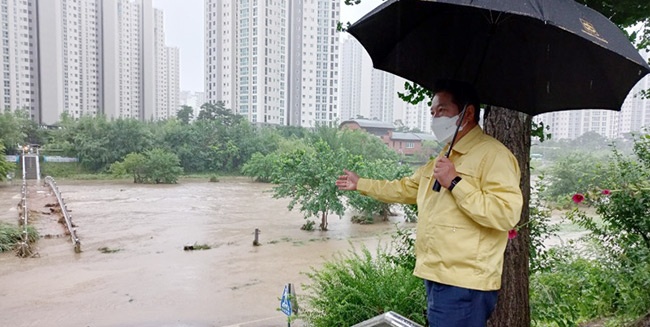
(308,178)
(541,228)
(154,166)
(623,206)
(10,235)
(305,171)
(185,114)
(377,169)
(5,166)
(575,172)
(582,286)
(612,276)
(16,129)
(359,286)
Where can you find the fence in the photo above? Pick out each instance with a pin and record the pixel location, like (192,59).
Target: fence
(64,210)
(23,248)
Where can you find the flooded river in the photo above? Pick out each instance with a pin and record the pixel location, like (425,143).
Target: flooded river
(151,281)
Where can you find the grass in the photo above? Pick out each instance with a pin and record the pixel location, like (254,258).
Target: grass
(67,170)
(106,249)
(196,246)
(10,235)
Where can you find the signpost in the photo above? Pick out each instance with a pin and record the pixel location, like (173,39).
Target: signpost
(288,297)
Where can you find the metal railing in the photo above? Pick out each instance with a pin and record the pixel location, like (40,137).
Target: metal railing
(388,319)
(23,248)
(68,218)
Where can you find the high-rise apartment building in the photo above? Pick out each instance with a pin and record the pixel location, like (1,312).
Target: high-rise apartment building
(366,91)
(69,58)
(167,68)
(192,99)
(273,61)
(170,71)
(129,59)
(19,69)
(417,116)
(635,113)
(351,64)
(86,57)
(634,116)
(382,96)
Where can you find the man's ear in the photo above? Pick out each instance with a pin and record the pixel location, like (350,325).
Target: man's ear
(469,114)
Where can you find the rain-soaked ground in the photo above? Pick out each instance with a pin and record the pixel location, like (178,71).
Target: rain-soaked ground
(151,280)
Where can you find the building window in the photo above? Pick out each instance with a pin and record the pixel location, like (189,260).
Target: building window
(410,145)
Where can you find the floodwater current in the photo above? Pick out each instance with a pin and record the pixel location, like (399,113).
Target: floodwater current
(150,280)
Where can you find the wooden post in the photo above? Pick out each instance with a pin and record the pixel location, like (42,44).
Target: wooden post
(256,242)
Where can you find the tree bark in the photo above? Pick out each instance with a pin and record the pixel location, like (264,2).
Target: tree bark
(513,310)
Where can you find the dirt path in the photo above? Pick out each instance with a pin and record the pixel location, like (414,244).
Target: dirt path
(150,280)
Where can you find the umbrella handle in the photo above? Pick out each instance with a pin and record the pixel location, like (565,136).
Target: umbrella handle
(436,186)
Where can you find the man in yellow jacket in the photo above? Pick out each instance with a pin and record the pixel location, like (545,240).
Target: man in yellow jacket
(462,230)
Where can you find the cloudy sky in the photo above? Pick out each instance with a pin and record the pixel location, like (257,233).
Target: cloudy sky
(184,29)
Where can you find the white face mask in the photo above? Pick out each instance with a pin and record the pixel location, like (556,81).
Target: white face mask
(444,128)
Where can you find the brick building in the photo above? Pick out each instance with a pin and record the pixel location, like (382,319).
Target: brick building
(403,143)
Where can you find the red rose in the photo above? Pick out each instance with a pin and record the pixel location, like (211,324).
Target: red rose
(577,198)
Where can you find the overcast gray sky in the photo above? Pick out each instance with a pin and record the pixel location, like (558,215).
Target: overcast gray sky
(184,29)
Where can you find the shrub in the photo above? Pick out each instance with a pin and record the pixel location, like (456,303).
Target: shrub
(613,278)
(578,289)
(354,288)
(154,166)
(10,235)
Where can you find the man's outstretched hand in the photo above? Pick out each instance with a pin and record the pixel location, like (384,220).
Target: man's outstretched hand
(348,181)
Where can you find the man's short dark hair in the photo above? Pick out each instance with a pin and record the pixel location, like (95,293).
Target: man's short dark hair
(461,93)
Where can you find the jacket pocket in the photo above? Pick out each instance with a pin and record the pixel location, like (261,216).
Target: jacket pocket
(467,170)
(456,248)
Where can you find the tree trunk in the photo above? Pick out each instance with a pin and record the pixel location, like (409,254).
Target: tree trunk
(513,310)
(323,221)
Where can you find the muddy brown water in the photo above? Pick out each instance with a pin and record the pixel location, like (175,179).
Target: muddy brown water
(151,281)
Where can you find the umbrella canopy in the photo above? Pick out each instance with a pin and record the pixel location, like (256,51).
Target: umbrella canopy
(533,56)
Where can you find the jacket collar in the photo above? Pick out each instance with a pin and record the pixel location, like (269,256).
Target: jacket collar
(464,144)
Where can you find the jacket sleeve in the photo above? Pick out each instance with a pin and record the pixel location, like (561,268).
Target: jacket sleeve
(497,202)
(403,190)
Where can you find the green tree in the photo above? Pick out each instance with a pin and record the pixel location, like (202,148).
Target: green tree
(5,166)
(266,168)
(263,168)
(90,141)
(185,114)
(185,141)
(155,166)
(308,178)
(17,129)
(134,164)
(377,169)
(573,173)
(162,167)
(218,111)
(126,135)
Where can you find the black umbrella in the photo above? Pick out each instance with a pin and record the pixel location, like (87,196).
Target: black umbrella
(533,56)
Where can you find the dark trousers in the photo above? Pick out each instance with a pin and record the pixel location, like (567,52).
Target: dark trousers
(451,306)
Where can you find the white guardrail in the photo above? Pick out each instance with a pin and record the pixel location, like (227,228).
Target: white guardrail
(68,218)
(22,248)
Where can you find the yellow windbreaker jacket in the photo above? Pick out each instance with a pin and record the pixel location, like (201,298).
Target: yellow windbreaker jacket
(461,235)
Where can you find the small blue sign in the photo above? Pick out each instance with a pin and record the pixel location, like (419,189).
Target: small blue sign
(285,302)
